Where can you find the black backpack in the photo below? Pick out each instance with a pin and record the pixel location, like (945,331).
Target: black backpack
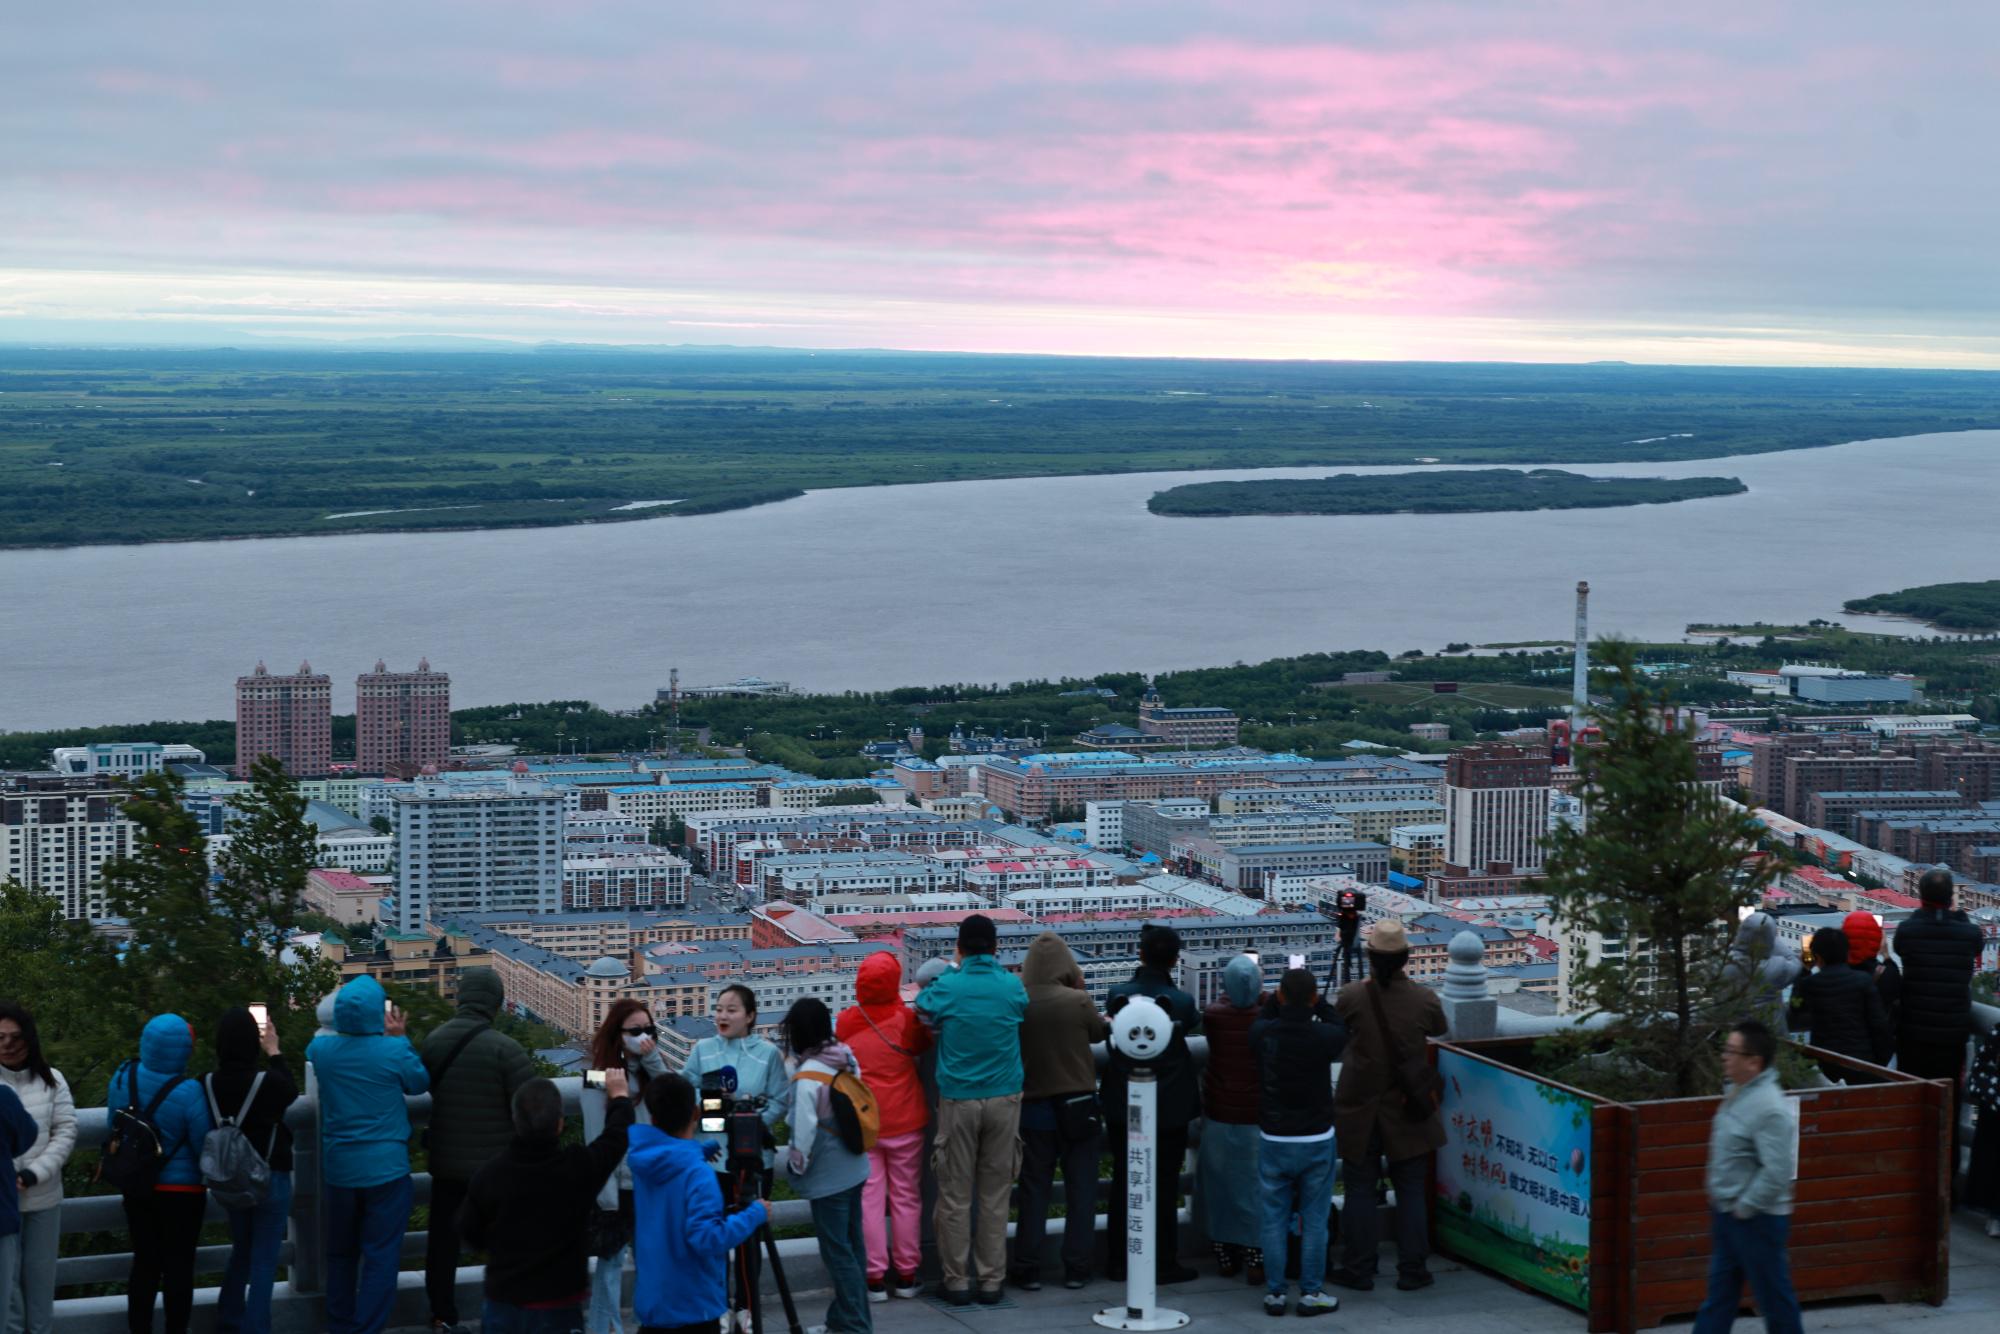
(134,1155)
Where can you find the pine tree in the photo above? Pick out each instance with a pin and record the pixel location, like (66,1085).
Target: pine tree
(1665,865)
(68,977)
(203,942)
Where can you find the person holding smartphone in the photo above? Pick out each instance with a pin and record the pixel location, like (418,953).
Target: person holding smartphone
(364,1071)
(245,1048)
(627,1043)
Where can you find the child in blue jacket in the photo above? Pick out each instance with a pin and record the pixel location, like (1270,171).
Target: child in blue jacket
(680,1233)
(165,1221)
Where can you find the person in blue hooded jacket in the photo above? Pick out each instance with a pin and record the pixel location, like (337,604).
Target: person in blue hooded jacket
(679,1229)
(363,1071)
(165,1220)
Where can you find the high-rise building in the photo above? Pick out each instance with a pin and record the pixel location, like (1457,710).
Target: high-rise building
(290,717)
(402,720)
(57,832)
(1496,806)
(473,850)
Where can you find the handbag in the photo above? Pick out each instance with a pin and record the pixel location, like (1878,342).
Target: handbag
(604,1236)
(1414,1078)
(1079,1118)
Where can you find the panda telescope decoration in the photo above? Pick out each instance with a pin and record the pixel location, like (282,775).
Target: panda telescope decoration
(1141,1030)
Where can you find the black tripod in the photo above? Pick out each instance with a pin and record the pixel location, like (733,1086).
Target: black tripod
(740,1185)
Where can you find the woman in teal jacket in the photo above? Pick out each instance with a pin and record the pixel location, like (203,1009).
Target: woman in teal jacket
(760,1072)
(165,1220)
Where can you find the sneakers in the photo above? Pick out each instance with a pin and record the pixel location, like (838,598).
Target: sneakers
(991,1296)
(1177,1274)
(1025,1279)
(958,1296)
(1276,1303)
(1412,1279)
(448,1327)
(905,1286)
(1076,1278)
(878,1290)
(1316,1303)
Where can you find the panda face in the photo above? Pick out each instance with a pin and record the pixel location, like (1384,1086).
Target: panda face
(1142,1029)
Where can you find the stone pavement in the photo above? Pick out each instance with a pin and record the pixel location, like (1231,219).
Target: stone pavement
(1463,1301)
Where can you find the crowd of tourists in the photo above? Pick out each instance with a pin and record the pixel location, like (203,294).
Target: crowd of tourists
(957,1087)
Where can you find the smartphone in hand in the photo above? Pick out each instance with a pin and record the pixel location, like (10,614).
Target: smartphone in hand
(594,1078)
(262,1014)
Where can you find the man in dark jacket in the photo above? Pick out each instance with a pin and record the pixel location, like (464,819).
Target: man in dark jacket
(1296,1045)
(475,1071)
(1939,949)
(1180,1100)
(529,1207)
(1842,1010)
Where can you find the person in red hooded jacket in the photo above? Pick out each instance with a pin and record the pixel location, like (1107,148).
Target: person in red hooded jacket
(886,1038)
(1864,954)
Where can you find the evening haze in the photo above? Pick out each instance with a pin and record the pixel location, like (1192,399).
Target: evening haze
(1797,183)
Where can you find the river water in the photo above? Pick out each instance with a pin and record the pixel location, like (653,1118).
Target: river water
(972,581)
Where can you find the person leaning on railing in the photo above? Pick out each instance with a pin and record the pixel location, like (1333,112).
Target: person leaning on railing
(364,1070)
(37,1170)
(163,1208)
(245,1050)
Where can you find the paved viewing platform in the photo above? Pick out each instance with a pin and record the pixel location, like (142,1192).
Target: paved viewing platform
(1463,1301)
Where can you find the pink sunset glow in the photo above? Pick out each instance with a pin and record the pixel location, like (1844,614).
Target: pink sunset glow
(1543,180)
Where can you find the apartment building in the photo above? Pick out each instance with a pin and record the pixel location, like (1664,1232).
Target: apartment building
(56,834)
(461,852)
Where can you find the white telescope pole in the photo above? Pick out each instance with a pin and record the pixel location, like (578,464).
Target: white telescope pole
(1142,1188)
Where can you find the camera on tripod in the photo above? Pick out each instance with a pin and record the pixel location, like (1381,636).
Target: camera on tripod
(740,1122)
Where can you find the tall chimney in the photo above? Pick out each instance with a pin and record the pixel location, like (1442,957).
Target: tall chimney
(1580,683)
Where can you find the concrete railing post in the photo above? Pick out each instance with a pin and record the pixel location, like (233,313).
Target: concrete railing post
(1470,1011)
(308,1221)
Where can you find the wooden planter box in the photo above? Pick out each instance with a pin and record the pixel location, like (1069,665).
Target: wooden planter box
(1871,1208)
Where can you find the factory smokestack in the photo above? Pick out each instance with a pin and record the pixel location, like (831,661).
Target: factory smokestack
(1580,684)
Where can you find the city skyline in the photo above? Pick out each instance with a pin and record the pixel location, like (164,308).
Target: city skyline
(1558,181)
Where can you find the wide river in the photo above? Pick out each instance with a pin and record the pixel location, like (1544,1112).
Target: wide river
(972,581)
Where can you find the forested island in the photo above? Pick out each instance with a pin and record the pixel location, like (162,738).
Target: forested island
(1965,606)
(1469,492)
(143,446)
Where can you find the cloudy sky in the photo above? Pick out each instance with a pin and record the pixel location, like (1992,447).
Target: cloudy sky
(1531,179)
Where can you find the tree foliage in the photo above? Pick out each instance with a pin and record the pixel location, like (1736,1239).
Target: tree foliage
(201,942)
(1663,864)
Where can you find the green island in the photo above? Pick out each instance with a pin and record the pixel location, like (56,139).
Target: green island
(1964,606)
(1485,490)
(100,446)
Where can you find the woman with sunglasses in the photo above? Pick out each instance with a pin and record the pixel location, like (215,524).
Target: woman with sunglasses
(755,1069)
(44,1093)
(627,1040)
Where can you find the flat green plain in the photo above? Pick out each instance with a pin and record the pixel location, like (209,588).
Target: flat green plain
(121,446)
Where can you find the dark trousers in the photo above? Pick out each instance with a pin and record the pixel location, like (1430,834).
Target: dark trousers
(364,1247)
(166,1227)
(1750,1248)
(843,1249)
(1041,1151)
(441,1248)
(1937,1060)
(1173,1145)
(1361,1221)
(507,1318)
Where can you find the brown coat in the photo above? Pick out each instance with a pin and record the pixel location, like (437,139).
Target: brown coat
(1367,1106)
(1061,1023)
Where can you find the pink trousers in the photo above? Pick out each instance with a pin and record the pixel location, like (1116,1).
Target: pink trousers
(895,1188)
